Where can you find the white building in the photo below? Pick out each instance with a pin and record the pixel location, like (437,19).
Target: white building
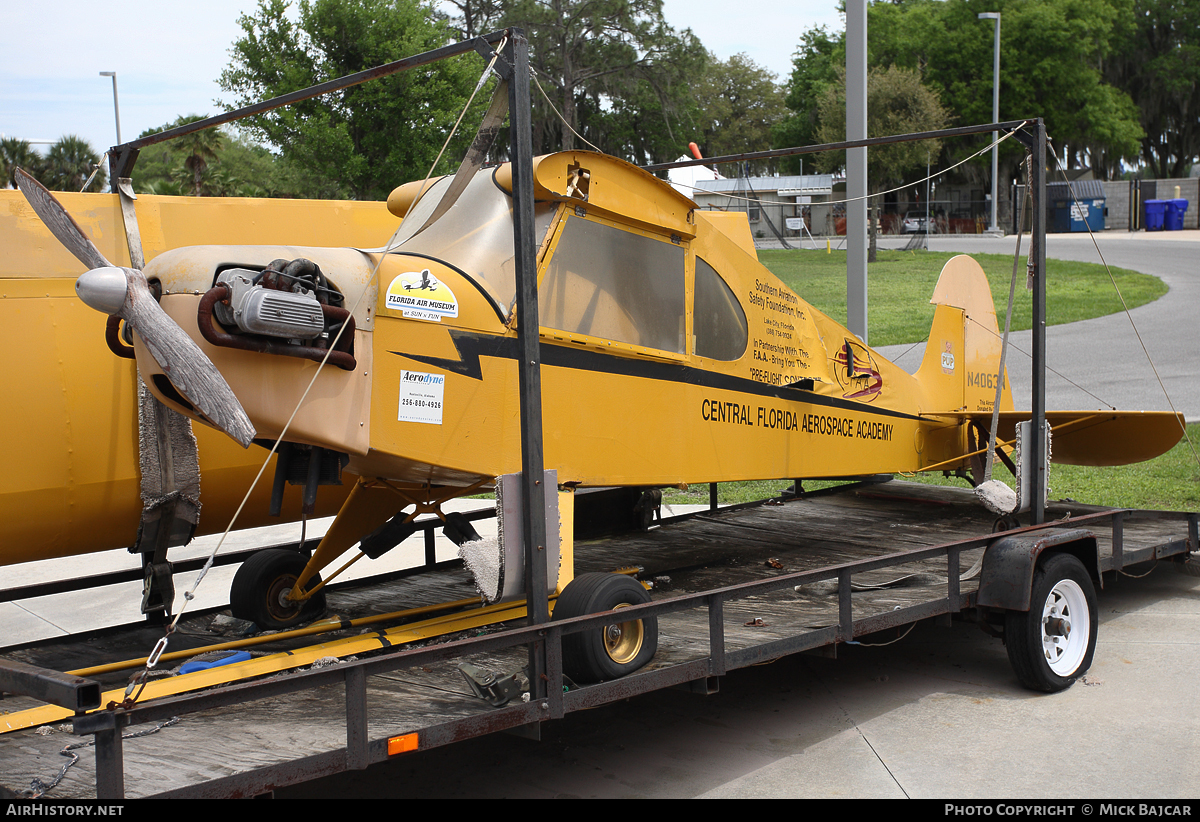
(789,204)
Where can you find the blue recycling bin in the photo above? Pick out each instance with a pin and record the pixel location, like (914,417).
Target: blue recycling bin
(1155,212)
(1173,214)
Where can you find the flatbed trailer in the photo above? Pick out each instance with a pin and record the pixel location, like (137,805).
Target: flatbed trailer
(731,588)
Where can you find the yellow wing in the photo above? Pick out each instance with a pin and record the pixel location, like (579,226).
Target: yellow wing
(1095,437)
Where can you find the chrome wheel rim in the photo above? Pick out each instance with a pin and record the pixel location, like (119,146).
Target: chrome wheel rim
(1066,627)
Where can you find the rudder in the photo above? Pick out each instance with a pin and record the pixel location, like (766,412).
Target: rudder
(962,356)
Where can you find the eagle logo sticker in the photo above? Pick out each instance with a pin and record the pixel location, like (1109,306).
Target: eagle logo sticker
(859,376)
(419,295)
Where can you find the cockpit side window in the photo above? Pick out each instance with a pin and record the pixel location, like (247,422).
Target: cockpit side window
(719,323)
(615,284)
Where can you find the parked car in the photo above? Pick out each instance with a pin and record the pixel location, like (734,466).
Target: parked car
(914,223)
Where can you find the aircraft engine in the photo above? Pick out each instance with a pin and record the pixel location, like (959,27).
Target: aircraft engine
(290,301)
(255,309)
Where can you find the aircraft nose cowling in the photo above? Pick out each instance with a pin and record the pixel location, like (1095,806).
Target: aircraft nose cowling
(103,289)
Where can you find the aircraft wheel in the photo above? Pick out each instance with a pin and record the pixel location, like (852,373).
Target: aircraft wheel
(616,650)
(1053,643)
(260,589)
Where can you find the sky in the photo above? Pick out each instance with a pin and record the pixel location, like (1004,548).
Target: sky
(168,56)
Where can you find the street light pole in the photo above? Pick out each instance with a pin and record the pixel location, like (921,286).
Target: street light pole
(993,15)
(856,168)
(116,106)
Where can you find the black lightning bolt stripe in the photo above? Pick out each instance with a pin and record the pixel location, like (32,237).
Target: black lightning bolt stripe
(472,345)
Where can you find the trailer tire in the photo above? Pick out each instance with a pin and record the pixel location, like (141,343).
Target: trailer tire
(262,582)
(1053,643)
(616,650)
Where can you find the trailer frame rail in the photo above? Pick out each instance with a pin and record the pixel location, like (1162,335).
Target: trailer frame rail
(361,751)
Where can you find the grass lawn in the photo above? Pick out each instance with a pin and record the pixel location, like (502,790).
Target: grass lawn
(1167,483)
(900,283)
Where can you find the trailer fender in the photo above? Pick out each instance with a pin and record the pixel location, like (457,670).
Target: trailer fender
(1006,578)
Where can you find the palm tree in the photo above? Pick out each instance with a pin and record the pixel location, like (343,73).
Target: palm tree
(209,181)
(16,154)
(201,147)
(168,187)
(69,163)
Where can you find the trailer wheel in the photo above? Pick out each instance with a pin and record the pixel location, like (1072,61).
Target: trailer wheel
(616,650)
(1053,643)
(260,589)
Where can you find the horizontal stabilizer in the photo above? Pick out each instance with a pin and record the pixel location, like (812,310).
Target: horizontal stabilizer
(1095,437)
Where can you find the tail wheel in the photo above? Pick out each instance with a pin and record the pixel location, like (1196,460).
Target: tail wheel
(261,587)
(1053,643)
(620,647)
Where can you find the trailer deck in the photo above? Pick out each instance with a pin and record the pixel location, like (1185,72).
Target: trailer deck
(731,588)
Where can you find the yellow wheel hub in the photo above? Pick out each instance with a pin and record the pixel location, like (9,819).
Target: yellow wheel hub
(623,641)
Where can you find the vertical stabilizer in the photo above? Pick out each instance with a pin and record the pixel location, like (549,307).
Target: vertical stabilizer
(962,356)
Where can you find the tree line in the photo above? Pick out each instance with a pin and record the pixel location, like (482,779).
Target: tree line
(66,166)
(1117,81)
(608,74)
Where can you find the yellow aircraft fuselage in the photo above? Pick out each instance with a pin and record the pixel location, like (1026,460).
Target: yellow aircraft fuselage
(670,354)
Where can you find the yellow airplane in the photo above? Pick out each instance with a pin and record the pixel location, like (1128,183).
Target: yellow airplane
(670,357)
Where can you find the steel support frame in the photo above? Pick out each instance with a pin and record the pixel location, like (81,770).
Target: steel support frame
(1035,142)
(74,693)
(529,365)
(1037,263)
(121,158)
(945,133)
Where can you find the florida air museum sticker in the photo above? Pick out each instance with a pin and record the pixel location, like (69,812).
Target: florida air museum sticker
(421,397)
(419,295)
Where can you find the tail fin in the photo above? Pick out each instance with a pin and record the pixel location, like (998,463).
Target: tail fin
(962,356)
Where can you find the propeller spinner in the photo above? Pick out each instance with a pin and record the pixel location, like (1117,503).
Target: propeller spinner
(125,293)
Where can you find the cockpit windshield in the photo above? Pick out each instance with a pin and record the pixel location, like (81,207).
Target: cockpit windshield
(475,235)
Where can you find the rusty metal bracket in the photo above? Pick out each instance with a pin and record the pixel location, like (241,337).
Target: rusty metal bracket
(133,237)
(65,690)
(501,66)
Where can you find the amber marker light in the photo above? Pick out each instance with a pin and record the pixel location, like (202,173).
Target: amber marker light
(402,744)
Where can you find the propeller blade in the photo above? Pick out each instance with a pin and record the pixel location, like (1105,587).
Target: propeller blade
(125,293)
(61,224)
(182,360)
